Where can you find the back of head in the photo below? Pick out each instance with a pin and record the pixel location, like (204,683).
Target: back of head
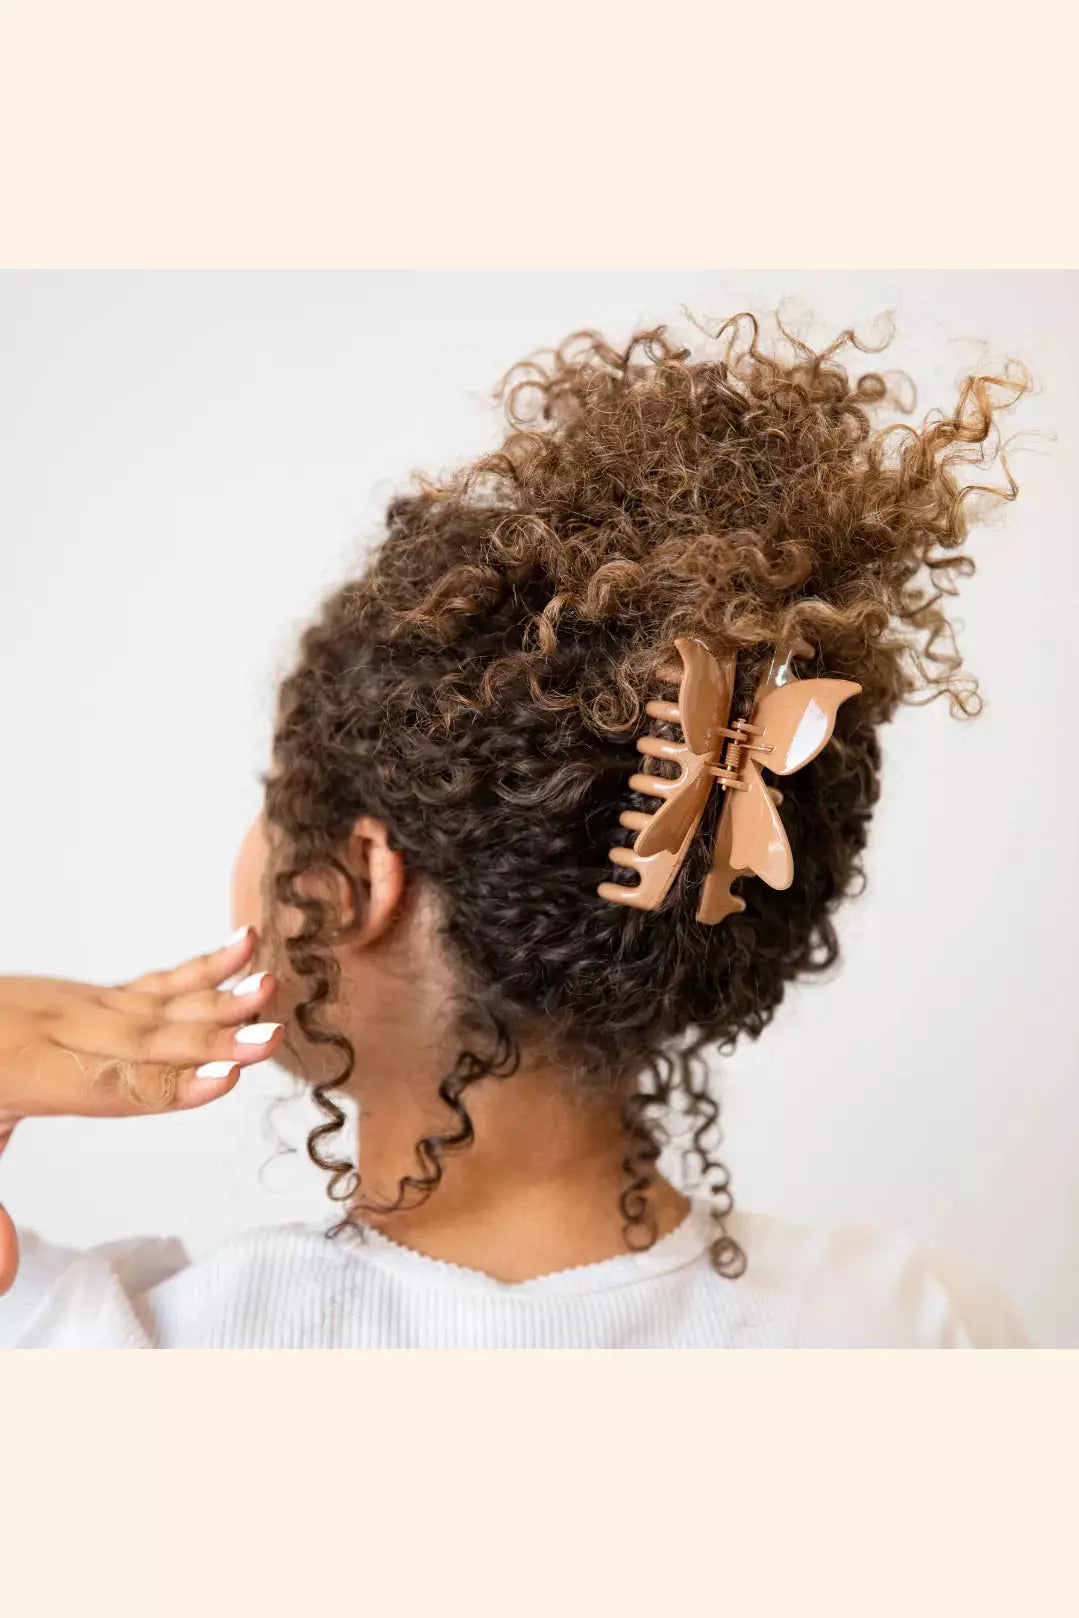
(481,686)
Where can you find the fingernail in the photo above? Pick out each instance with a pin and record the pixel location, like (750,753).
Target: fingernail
(214,1070)
(249,985)
(257,1033)
(241,932)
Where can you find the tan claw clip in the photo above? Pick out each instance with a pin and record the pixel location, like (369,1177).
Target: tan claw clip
(791,721)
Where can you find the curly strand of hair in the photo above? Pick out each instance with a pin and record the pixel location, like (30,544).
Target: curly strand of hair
(645,1136)
(702,1110)
(321,970)
(430,1152)
(726,1256)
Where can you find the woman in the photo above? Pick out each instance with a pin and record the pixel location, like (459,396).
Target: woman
(456,909)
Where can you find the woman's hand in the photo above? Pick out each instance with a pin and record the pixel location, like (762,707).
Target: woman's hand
(162,1043)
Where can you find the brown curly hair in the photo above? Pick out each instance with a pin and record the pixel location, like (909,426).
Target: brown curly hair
(480,685)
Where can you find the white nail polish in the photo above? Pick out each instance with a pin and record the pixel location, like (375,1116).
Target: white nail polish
(241,932)
(257,1033)
(214,1070)
(249,985)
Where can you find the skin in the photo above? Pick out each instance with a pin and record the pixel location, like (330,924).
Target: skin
(536,1192)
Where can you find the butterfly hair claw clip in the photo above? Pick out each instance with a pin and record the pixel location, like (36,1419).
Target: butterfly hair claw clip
(790,722)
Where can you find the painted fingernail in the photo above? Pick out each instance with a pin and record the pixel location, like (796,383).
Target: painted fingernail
(214,1070)
(257,1033)
(249,985)
(241,932)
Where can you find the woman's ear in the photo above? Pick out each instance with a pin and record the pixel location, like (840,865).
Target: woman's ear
(379,869)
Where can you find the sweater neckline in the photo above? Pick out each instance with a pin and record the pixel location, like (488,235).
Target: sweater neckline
(683,1245)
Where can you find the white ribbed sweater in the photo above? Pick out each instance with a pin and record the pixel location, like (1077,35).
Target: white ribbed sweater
(293,1287)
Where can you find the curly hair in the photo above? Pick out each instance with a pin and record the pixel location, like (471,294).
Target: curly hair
(480,685)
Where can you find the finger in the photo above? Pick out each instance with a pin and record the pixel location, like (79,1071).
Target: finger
(118,1089)
(207,1083)
(170,1044)
(244,1002)
(225,1007)
(201,971)
(189,1044)
(125,1089)
(199,1086)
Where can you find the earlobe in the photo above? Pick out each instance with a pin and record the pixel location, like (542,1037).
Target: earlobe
(382,869)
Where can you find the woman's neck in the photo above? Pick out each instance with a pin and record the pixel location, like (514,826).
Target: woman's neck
(536,1191)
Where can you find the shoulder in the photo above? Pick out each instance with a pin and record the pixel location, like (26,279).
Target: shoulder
(264,1287)
(65,1297)
(150,1293)
(862,1286)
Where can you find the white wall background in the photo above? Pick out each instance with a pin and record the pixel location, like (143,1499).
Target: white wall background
(187,461)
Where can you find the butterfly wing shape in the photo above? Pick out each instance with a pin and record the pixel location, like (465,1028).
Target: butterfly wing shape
(704,697)
(704,703)
(798,720)
(758,839)
(717,900)
(667,828)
